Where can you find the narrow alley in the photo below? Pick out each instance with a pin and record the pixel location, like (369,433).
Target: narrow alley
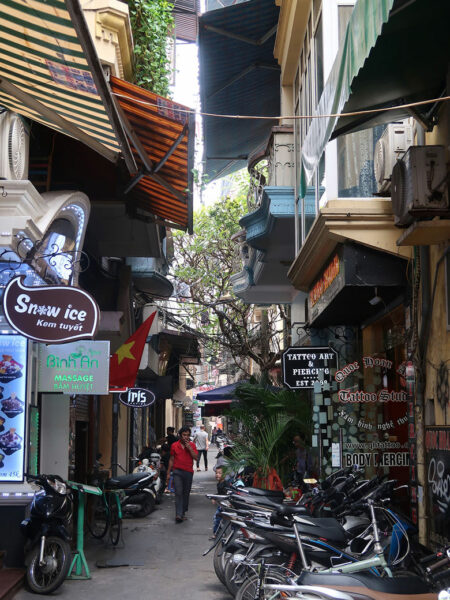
(157,557)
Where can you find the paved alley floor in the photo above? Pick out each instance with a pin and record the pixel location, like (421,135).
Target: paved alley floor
(164,559)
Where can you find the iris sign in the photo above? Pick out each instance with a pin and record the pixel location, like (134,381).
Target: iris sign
(137,398)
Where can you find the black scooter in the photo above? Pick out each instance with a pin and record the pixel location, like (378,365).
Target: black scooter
(48,554)
(138,493)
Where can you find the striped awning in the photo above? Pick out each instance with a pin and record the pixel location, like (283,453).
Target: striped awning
(50,73)
(161,133)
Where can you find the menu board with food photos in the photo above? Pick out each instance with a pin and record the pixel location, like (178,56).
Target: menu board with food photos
(13,375)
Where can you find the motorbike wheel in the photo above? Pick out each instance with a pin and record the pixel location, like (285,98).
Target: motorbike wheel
(98,518)
(220,561)
(148,506)
(236,575)
(115,523)
(248,590)
(47,578)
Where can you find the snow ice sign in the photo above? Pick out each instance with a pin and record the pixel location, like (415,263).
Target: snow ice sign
(137,397)
(50,314)
(304,367)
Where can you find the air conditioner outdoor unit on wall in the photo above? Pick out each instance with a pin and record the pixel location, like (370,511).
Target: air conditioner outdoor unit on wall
(14,146)
(419,185)
(394,142)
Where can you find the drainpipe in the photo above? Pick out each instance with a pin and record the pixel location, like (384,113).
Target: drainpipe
(424,253)
(115,434)
(424,258)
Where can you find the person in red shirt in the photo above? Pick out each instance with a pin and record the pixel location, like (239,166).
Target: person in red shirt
(182,456)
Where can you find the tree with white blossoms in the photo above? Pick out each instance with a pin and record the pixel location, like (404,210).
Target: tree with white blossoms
(203,266)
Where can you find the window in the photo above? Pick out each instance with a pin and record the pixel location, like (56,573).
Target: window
(309,83)
(355,150)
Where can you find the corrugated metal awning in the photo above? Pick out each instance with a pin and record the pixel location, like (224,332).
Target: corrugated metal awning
(239,76)
(162,136)
(50,73)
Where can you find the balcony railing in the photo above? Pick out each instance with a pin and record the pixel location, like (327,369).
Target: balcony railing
(275,166)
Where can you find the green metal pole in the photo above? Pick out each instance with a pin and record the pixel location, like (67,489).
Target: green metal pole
(79,561)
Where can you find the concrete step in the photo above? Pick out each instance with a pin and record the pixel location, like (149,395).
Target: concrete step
(11,580)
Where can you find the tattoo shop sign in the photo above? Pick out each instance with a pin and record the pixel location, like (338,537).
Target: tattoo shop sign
(50,314)
(303,367)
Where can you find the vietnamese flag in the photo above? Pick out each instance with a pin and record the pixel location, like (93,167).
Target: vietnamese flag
(124,363)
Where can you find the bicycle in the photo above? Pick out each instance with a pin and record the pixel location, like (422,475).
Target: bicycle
(104,512)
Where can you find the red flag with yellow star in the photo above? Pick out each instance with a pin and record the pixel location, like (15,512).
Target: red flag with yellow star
(124,363)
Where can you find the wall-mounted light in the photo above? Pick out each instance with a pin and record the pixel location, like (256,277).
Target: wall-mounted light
(376,299)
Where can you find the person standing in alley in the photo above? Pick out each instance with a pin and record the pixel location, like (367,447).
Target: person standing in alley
(182,456)
(214,435)
(201,441)
(302,458)
(171,437)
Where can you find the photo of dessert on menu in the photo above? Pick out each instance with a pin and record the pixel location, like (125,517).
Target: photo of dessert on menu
(13,361)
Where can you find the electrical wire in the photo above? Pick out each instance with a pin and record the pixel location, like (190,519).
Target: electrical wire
(188,111)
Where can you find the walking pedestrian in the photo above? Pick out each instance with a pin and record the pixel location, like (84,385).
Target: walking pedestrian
(182,456)
(201,442)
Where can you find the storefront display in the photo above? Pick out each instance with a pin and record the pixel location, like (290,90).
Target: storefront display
(13,371)
(372,401)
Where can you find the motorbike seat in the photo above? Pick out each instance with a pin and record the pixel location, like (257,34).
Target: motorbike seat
(327,528)
(389,585)
(272,494)
(292,510)
(124,481)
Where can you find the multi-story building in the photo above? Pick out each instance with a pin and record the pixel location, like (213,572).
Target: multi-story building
(95,171)
(351,229)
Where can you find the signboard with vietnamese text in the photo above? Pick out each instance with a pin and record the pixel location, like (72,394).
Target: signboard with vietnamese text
(50,314)
(303,367)
(13,406)
(75,368)
(375,415)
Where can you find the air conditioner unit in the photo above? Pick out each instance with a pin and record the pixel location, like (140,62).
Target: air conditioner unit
(419,185)
(394,142)
(14,147)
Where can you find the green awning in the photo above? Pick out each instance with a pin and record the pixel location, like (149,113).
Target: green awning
(364,27)
(50,73)
(395,52)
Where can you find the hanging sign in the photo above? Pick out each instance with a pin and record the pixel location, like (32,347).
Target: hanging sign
(50,314)
(137,397)
(305,366)
(75,368)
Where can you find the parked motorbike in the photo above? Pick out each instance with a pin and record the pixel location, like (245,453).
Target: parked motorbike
(48,554)
(152,465)
(345,524)
(138,495)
